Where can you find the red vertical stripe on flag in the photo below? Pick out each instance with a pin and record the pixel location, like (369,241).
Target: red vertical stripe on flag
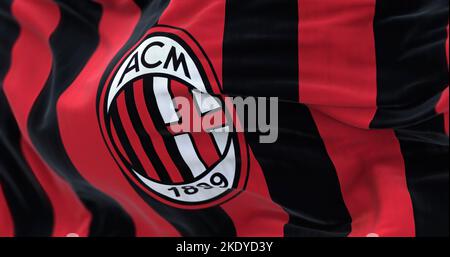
(6,225)
(204,20)
(371,172)
(337,59)
(70,214)
(206,147)
(156,138)
(442,107)
(76,109)
(338,81)
(253,211)
(447,45)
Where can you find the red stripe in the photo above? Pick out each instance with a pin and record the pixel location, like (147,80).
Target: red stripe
(446,123)
(253,212)
(180,90)
(337,65)
(155,136)
(70,216)
(31,55)
(371,172)
(206,147)
(135,142)
(76,110)
(6,225)
(205,21)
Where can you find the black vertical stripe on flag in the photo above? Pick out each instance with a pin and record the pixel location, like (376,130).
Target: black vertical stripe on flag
(72,44)
(144,137)
(431,131)
(29,205)
(257,31)
(411,60)
(9,31)
(412,72)
(261,53)
(206,222)
(425,152)
(427,176)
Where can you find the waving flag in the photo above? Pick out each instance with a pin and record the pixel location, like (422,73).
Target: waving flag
(94,140)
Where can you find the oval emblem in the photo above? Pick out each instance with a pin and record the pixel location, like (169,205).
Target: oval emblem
(164,119)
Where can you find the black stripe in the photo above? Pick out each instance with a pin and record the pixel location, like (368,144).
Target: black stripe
(431,131)
(427,175)
(301,177)
(9,31)
(412,72)
(29,205)
(72,44)
(144,137)
(411,60)
(299,173)
(425,152)
(257,32)
(169,141)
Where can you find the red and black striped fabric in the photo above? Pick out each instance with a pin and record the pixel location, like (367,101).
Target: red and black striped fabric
(363,118)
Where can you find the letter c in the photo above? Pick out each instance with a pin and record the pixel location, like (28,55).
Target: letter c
(144,62)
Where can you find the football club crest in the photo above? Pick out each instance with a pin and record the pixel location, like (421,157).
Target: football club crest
(150,133)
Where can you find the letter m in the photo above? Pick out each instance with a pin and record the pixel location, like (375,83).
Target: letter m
(172,57)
